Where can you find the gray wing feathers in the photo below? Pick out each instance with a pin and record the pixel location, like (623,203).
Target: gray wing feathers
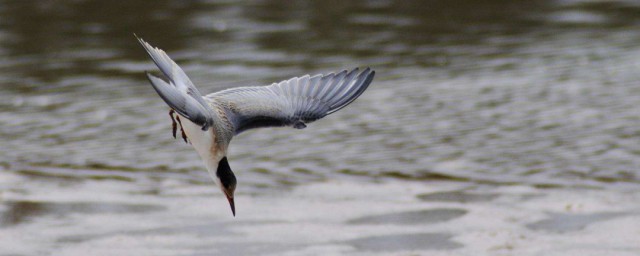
(185,106)
(292,102)
(179,92)
(353,92)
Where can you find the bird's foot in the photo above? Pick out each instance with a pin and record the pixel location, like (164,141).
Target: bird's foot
(173,123)
(299,125)
(184,135)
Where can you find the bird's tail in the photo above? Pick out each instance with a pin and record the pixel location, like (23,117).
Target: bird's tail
(178,92)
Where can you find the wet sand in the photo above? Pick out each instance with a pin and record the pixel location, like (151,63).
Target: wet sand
(333,217)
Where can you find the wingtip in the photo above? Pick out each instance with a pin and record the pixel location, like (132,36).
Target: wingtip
(368,72)
(152,77)
(139,39)
(145,45)
(148,47)
(148,74)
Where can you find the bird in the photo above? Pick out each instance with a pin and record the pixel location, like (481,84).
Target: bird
(209,122)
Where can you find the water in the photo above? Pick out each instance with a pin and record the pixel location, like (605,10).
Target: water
(492,128)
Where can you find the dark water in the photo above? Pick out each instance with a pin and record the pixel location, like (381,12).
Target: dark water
(491,127)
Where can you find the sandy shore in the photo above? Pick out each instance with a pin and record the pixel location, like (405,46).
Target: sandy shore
(54,216)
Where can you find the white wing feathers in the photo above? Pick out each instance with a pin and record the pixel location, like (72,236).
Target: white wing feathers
(293,102)
(178,92)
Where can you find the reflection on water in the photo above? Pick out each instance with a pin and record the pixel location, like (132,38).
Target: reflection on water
(568,223)
(457,196)
(17,212)
(406,242)
(412,218)
(495,94)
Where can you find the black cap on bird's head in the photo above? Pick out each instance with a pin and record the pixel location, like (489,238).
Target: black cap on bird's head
(227,182)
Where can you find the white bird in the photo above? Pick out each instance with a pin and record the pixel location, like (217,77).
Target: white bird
(211,121)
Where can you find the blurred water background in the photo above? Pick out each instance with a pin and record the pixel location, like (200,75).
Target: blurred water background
(492,128)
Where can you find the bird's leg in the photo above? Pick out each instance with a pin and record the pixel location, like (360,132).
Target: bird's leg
(173,123)
(184,135)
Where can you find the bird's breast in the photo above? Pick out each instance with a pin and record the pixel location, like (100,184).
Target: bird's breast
(204,142)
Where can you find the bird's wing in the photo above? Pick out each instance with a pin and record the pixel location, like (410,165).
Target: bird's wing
(178,92)
(293,102)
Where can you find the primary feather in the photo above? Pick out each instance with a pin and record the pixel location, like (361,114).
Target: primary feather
(178,92)
(294,102)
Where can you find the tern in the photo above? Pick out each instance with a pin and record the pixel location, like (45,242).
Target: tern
(209,122)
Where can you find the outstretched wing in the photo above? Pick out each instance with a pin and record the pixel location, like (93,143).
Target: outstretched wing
(178,92)
(293,102)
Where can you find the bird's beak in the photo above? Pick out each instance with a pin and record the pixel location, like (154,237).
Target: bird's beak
(233,206)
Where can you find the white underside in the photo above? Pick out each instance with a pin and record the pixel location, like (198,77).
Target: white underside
(203,143)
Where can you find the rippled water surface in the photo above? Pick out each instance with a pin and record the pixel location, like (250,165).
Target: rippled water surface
(491,128)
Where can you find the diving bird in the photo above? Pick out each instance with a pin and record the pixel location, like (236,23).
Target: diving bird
(209,122)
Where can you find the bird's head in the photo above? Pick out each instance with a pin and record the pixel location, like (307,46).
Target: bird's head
(227,182)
